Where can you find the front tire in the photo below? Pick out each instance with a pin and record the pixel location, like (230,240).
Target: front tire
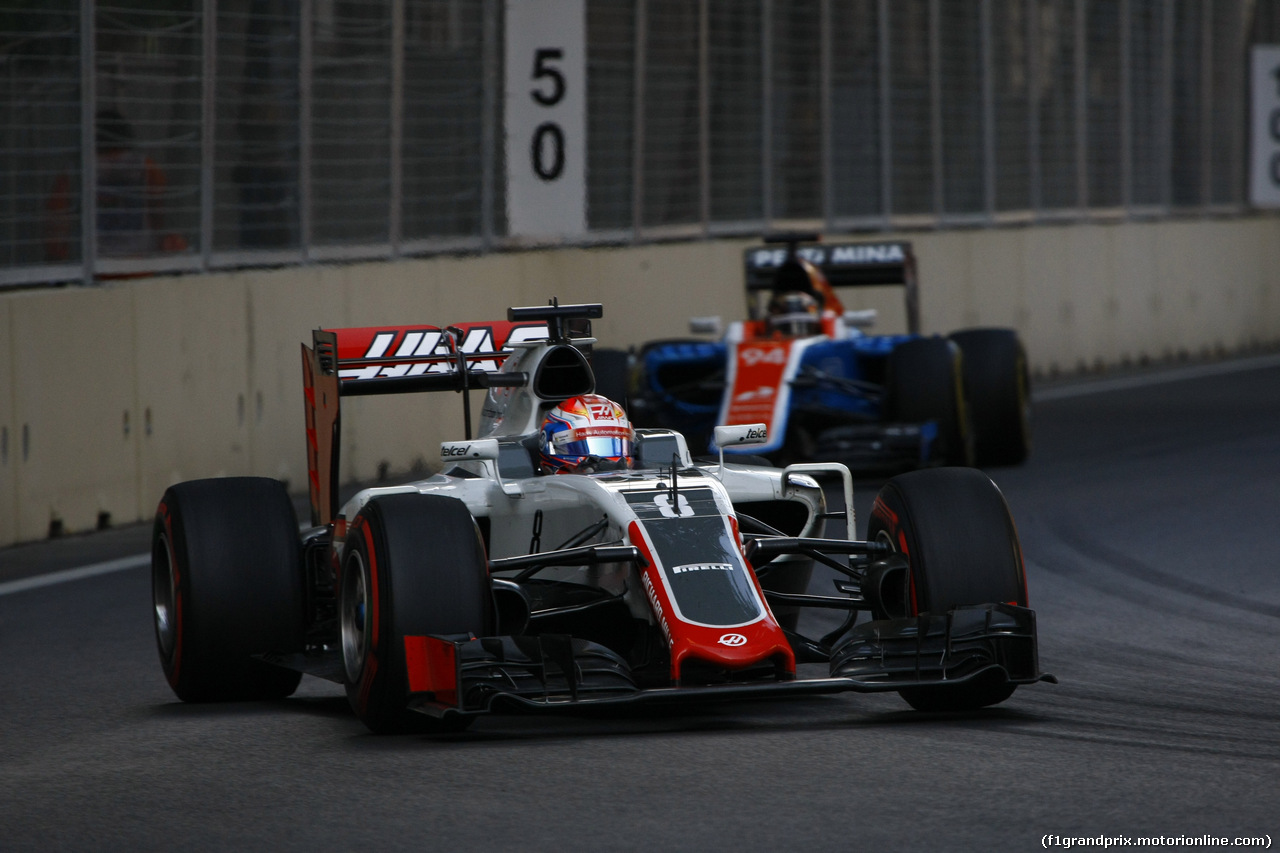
(999,394)
(925,383)
(227,584)
(413,565)
(954,528)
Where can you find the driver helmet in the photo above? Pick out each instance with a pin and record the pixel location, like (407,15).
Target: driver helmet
(586,434)
(794,314)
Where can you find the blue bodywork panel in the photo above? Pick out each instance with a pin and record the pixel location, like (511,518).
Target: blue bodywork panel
(837,381)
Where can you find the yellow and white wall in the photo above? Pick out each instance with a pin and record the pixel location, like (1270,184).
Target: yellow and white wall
(109,394)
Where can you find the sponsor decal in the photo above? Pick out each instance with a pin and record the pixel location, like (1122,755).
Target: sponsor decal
(849,255)
(702,567)
(416,346)
(603,410)
(881,511)
(732,640)
(875,253)
(657,605)
(569,436)
(764,392)
(455,449)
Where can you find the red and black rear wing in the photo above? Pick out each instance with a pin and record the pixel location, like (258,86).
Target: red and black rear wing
(407,359)
(843,265)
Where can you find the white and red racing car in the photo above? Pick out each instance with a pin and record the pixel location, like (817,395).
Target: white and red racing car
(491,586)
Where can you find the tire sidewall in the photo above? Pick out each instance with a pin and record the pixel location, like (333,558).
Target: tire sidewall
(955,529)
(426,574)
(925,380)
(231,547)
(997,383)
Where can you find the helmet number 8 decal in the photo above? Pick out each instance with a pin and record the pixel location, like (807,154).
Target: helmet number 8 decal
(680,510)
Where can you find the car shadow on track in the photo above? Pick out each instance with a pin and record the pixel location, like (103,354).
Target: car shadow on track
(808,716)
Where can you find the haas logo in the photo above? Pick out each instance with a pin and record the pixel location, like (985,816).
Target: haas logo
(732,640)
(602,411)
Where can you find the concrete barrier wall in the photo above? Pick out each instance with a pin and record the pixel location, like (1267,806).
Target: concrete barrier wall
(123,389)
(9,441)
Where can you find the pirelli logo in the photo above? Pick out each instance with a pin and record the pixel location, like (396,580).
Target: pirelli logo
(702,567)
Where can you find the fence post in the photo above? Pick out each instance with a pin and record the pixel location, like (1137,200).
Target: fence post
(88,147)
(208,128)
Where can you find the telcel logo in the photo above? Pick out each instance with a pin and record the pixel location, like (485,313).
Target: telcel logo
(762,434)
(732,640)
(450,450)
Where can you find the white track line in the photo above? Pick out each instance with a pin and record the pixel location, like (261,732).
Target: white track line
(1123,383)
(137,561)
(1081,389)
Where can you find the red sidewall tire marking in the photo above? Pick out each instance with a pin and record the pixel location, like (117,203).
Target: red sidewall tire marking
(175,663)
(370,668)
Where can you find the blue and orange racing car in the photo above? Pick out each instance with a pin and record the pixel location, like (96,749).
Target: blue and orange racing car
(826,389)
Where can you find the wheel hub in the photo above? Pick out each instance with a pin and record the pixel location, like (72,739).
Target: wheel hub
(164,596)
(354,598)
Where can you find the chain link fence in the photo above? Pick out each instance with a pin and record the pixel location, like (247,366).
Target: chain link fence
(182,135)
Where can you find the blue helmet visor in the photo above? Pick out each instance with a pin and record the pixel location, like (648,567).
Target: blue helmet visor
(603,446)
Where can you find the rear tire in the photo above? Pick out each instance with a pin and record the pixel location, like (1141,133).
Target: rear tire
(612,369)
(925,384)
(999,395)
(226,584)
(413,565)
(954,528)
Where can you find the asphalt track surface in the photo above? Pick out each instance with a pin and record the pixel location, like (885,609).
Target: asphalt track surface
(1148,515)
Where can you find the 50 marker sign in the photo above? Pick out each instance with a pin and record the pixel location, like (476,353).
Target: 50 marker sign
(545,117)
(1264,179)
(548,132)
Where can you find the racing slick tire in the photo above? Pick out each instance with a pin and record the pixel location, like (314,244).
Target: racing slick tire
(413,565)
(999,395)
(925,383)
(227,584)
(954,528)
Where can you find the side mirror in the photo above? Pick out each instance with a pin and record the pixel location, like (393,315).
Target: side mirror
(705,325)
(863,319)
(741,434)
(480,448)
(738,435)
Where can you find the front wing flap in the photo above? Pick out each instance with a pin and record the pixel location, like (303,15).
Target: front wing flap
(947,648)
(466,675)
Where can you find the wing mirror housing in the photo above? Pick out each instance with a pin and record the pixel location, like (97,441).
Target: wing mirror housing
(861,319)
(484,449)
(705,325)
(739,435)
(480,448)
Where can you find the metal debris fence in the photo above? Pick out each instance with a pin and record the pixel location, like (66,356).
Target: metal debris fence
(269,132)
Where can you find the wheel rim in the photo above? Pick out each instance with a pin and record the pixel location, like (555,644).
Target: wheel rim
(355,639)
(164,594)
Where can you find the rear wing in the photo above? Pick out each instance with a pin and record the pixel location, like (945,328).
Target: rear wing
(843,264)
(406,359)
